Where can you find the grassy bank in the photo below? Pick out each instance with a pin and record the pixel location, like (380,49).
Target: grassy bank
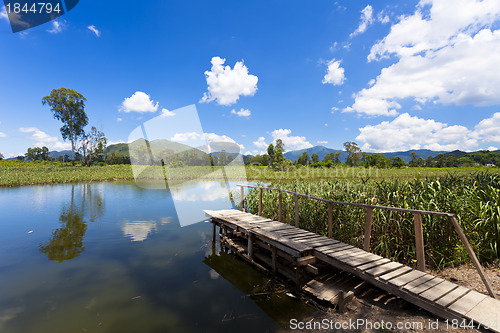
(474,198)
(13,173)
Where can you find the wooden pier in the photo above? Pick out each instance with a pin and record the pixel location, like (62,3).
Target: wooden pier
(299,255)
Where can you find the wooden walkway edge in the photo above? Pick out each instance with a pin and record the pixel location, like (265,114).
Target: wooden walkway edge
(302,249)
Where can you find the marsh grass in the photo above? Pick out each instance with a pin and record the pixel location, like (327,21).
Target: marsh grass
(474,198)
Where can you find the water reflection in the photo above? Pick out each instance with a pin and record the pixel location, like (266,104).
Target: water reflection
(138,231)
(67,242)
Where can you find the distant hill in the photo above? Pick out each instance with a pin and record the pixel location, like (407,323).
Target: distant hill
(320,150)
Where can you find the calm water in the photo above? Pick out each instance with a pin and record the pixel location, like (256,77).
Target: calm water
(111,257)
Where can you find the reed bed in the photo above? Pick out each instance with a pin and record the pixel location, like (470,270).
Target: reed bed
(474,198)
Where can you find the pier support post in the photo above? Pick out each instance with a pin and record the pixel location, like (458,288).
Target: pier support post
(280,201)
(330,219)
(250,245)
(260,201)
(274,260)
(296,210)
(242,202)
(419,242)
(368,229)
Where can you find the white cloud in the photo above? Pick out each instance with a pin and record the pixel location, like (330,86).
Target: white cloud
(291,142)
(440,58)
(406,132)
(334,108)
(139,102)
(43,139)
(226,85)
(322,142)
(166,113)
(334,73)
(489,129)
(15,18)
(383,18)
(261,143)
(242,112)
(209,137)
(119,119)
(57,26)
(366,20)
(3,14)
(94,30)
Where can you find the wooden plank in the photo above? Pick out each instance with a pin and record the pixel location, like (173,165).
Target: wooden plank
(368,228)
(337,247)
(438,291)
(395,273)
(452,296)
(419,242)
(418,281)
(304,236)
(302,261)
(487,312)
(383,269)
(467,302)
(293,231)
(282,240)
(356,262)
(406,278)
(319,243)
(307,238)
(424,286)
(369,265)
(346,253)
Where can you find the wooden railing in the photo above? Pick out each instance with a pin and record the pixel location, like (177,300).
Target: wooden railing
(417,218)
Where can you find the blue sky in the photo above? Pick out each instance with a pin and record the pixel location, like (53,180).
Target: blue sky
(389,75)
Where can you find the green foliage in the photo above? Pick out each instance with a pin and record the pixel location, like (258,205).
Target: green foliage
(68,106)
(474,198)
(37,154)
(333,157)
(93,145)
(396,162)
(303,159)
(354,153)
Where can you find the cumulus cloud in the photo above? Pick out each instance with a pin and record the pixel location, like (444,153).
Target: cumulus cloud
(440,58)
(291,142)
(366,20)
(489,129)
(56,27)
(334,73)
(209,137)
(3,135)
(43,139)
(167,113)
(94,30)
(242,113)
(261,143)
(322,142)
(226,85)
(139,102)
(406,132)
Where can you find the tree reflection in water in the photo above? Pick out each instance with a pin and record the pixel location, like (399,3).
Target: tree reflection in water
(67,242)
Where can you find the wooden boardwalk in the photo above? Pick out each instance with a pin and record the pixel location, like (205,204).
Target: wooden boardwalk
(300,248)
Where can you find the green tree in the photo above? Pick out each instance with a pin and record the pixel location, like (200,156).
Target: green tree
(93,145)
(270,153)
(429,162)
(334,157)
(315,158)
(68,106)
(413,161)
(440,161)
(223,158)
(304,159)
(353,153)
(37,154)
(396,162)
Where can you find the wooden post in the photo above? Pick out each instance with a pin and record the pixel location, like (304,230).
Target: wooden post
(213,231)
(368,229)
(296,210)
(472,255)
(280,216)
(274,259)
(260,201)
(419,241)
(250,245)
(242,199)
(330,219)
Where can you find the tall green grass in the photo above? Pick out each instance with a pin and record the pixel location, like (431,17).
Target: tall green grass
(474,198)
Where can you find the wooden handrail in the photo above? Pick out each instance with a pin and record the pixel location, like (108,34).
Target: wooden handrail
(417,215)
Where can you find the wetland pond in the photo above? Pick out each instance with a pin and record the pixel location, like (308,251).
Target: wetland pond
(111,257)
